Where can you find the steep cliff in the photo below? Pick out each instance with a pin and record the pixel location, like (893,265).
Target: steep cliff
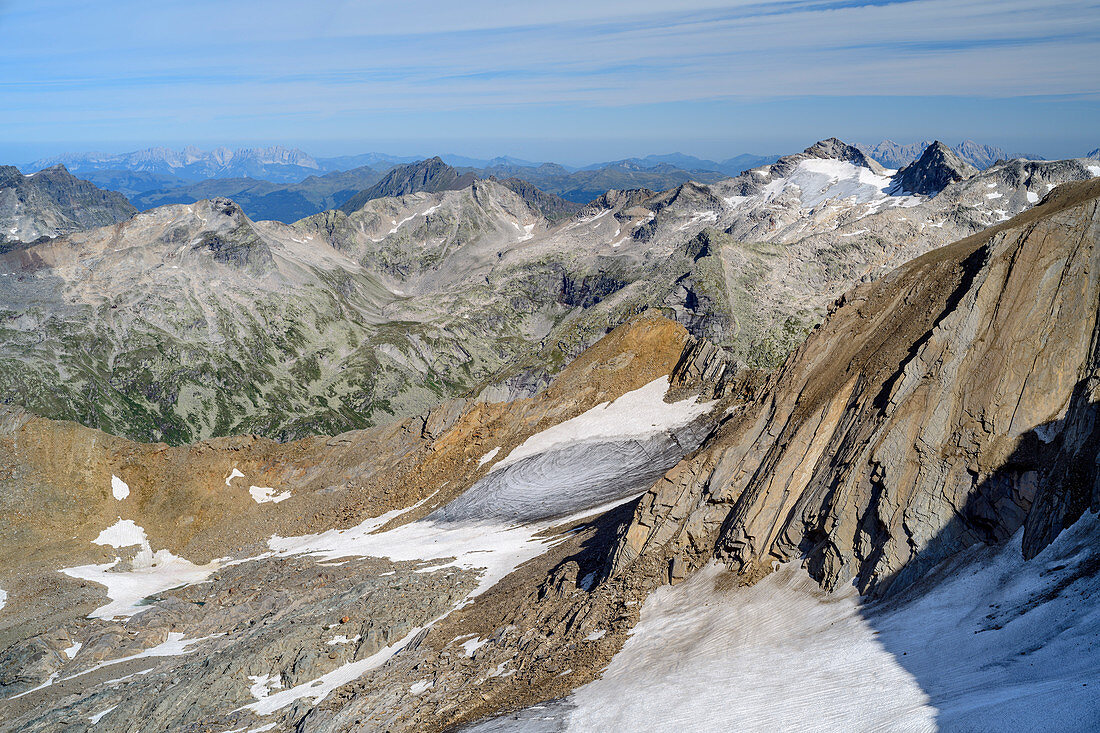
(947,404)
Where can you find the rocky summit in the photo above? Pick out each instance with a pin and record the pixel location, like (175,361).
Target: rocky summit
(808,448)
(937,168)
(51,203)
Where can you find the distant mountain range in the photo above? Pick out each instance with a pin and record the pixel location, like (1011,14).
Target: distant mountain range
(287,184)
(897,155)
(264,200)
(379,177)
(276,163)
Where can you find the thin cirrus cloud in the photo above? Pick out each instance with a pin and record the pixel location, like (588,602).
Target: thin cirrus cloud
(286,62)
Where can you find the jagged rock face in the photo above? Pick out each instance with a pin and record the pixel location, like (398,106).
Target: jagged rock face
(432,175)
(554,208)
(53,202)
(936,169)
(946,404)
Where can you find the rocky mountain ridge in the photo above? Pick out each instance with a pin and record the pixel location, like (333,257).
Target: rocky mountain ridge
(936,169)
(51,203)
(467,292)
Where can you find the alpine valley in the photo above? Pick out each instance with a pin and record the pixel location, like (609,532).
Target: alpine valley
(798,442)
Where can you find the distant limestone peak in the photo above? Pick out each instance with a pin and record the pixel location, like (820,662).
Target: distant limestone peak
(937,168)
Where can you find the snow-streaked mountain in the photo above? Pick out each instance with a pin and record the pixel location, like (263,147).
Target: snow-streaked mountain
(414,298)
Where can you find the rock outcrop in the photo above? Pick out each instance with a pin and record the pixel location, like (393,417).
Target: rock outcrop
(431,175)
(53,202)
(949,403)
(936,169)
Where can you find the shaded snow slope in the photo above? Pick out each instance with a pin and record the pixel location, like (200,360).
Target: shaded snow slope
(987,643)
(1002,644)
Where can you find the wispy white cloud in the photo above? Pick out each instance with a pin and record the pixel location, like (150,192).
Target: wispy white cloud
(206,60)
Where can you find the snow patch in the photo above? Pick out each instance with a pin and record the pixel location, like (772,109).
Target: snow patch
(488,457)
(1032,197)
(94,719)
(263,684)
(1094,170)
(119,489)
(473,645)
(419,686)
(855,233)
(830,673)
(318,689)
(235,473)
(265,494)
(71,651)
(636,414)
(150,572)
(341,639)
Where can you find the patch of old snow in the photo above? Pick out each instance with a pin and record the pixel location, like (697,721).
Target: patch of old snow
(95,718)
(123,533)
(488,457)
(473,645)
(419,686)
(235,473)
(149,573)
(119,489)
(318,689)
(71,651)
(3,598)
(596,635)
(263,684)
(342,639)
(855,233)
(994,195)
(830,673)
(1032,197)
(175,644)
(264,494)
(49,681)
(1094,170)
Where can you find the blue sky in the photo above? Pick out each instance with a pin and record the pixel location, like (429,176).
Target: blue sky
(568,80)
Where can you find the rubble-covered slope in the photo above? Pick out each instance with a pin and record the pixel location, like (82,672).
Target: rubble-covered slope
(236,581)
